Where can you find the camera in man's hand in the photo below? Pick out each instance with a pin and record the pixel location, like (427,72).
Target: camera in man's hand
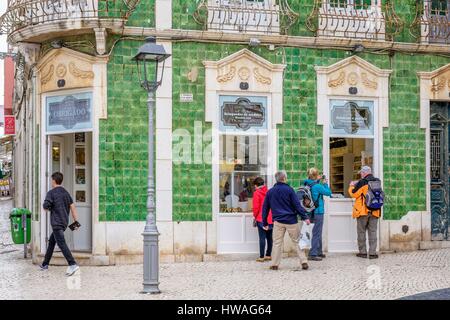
(75,226)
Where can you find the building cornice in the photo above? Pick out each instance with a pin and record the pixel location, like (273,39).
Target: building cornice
(286,41)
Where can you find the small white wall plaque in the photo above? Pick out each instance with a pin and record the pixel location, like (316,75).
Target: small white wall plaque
(186,97)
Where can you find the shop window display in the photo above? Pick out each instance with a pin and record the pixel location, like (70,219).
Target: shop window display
(242,161)
(243,150)
(347,156)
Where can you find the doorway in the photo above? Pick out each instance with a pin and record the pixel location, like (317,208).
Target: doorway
(440,169)
(351,141)
(70,154)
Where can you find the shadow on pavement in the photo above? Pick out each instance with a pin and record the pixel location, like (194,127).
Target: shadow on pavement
(443,294)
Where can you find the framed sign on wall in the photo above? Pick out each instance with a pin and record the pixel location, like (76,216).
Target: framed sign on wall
(69,113)
(354,118)
(243,113)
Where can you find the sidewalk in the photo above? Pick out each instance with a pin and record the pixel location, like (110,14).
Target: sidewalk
(392,276)
(338,277)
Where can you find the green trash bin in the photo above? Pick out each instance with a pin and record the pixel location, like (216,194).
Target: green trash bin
(17,224)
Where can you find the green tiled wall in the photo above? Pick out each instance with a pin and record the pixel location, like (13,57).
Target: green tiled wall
(142,16)
(300,139)
(123,141)
(405,9)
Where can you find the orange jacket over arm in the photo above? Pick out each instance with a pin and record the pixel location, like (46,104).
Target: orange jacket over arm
(359,207)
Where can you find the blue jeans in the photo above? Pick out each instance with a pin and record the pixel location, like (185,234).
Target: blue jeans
(263,237)
(57,237)
(316,241)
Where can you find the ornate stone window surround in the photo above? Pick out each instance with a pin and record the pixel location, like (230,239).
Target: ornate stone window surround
(83,73)
(434,86)
(223,78)
(334,82)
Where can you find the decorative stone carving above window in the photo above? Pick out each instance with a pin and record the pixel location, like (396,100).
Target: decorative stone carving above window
(78,70)
(341,78)
(434,85)
(261,76)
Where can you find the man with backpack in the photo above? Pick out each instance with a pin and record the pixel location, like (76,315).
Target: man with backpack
(367,210)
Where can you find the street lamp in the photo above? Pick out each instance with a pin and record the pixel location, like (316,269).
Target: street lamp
(148,59)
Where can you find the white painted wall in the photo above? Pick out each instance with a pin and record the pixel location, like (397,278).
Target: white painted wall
(3,48)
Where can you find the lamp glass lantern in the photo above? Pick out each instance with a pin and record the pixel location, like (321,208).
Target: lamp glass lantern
(148,59)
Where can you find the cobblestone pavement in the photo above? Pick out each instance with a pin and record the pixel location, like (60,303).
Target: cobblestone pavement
(393,276)
(6,243)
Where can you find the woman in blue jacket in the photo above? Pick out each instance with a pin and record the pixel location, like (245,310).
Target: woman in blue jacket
(319,189)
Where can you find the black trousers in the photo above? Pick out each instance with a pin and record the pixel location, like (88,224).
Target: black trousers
(263,237)
(57,237)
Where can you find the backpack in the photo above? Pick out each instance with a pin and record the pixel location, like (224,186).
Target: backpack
(374,198)
(307,202)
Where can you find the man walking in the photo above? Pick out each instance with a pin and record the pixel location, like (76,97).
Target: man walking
(285,206)
(59,202)
(367,219)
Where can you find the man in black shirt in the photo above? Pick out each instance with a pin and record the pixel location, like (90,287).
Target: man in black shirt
(59,202)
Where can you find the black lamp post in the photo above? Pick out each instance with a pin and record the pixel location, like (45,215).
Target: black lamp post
(148,59)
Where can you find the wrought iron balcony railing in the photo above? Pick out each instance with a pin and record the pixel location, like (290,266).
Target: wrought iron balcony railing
(432,22)
(255,16)
(25,13)
(360,19)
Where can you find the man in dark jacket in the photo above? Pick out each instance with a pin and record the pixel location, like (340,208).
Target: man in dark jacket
(59,202)
(285,206)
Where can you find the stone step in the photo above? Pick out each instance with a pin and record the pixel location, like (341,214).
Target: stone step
(82,259)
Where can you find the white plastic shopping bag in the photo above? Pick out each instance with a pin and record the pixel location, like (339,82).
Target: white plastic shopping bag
(305,236)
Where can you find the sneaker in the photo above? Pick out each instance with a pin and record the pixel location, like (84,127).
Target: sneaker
(268,258)
(72,269)
(373,256)
(362,255)
(305,266)
(43,267)
(260,260)
(314,258)
(273,268)
(322,256)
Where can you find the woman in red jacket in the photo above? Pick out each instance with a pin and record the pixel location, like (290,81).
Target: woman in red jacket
(258,200)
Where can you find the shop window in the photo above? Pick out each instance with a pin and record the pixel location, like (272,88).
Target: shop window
(351,142)
(357,4)
(243,151)
(439,7)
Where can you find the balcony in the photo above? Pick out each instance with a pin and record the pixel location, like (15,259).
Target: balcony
(37,20)
(252,16)
(432,23)
(354,19)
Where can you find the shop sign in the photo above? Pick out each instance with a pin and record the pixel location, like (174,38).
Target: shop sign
(352,117)
(69,113)
(243,114)
(10,125)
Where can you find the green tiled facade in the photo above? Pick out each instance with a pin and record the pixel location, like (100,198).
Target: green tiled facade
(123,141)
(405,11)
(123,136)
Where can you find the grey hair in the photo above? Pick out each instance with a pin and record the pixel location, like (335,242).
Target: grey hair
(280,176)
